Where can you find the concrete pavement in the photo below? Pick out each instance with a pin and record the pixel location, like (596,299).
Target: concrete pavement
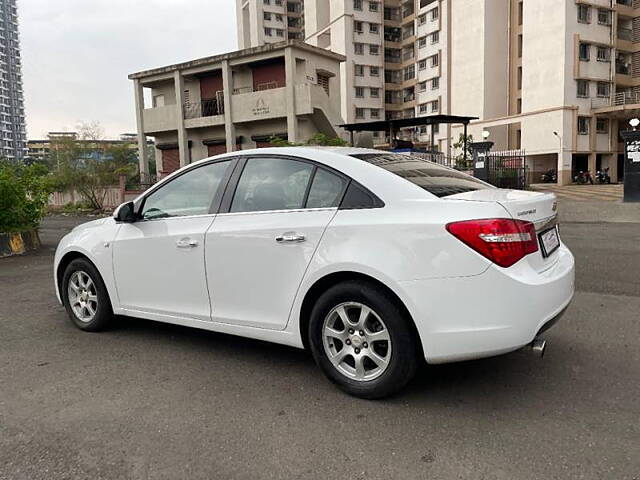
(148,400)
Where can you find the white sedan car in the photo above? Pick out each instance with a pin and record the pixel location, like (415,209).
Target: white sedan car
(369,259)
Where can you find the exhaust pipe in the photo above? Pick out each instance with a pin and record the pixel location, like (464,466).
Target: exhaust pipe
(538,347)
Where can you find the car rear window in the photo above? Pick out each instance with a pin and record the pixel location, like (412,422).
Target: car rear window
(436,179)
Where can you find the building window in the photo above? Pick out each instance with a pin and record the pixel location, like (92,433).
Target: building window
(435,37)
(279,32)
(602,125)
(266,2)
(422,42)
(520,13)
(374,92)
(422,64)
(358,48)
(358,27)
(358,70)
(583,125)
(519,105)
(604,17)
(409,72)
(603,89)
(374,28)
(375,113)
(434,14)
(374,49)
(373,71)
(583,88)
(422,86)
(422,19)
(357,5)
(435,128)
(359,112)
(604,54)
(423,108)
(267,15)
(435,83)
(267,32)
(278,17)
(584,13)
(520,46)
(585,52)
(519,73)
(435,106)
(374,6)
(359,92)
(435,60)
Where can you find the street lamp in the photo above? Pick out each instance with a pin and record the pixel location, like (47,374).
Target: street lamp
(634,122)
(559,138)
(485,134)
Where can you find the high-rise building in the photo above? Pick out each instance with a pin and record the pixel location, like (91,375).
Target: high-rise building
(269,21)
(557,80)
(13,145)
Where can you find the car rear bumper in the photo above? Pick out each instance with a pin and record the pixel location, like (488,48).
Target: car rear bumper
(496,312)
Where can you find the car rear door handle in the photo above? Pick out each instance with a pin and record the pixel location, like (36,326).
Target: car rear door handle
(290,237)
(186,243)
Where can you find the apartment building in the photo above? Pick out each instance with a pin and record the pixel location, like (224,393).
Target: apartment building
(394,51)
(13,145)
(45,149)
(559,80)
(269,21)
(237,101)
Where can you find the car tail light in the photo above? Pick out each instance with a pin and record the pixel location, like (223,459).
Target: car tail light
(501,240)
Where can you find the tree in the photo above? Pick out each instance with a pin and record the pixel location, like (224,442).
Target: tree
(24,194)
(319,139)
(89,165)
(460,160)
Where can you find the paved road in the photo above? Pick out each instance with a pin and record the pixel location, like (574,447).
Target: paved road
(148,400)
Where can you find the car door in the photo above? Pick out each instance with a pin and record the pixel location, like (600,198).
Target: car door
(158,260)
(260,245)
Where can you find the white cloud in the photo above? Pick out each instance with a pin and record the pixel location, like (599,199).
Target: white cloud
(76,54)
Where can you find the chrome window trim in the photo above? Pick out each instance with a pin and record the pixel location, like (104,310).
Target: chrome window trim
(292,210)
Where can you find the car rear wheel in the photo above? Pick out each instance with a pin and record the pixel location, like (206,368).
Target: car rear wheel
(85,296)
(362,340)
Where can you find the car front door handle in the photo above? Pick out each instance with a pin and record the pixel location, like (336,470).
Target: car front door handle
(186,243)
(290,237)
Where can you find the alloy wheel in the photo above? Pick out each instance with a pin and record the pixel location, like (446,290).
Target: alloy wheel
(356,341)
(83,296)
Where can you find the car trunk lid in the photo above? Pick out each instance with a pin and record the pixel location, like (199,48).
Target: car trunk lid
(539,208)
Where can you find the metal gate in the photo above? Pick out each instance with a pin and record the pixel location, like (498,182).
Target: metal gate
(508,169)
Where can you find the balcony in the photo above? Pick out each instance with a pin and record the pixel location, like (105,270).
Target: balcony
(160,119)
(618,105)
(625,34)
(206,108)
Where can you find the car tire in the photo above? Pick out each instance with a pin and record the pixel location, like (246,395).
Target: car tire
(370,367)
(85,296)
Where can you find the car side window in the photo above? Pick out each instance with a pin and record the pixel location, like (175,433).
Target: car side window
(326,190)
(189,194)
(272,184)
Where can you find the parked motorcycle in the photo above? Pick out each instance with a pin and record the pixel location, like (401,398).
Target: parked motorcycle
(550,176)
(602,176)
(583,178)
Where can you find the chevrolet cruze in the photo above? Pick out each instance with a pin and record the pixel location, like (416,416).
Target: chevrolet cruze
(371,260)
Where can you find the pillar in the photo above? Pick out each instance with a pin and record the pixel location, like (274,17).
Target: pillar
(227,87)
(290,95)
(142,138)
(183,141)
(565,160)
(591,166)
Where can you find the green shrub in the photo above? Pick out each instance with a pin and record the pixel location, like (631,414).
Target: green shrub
(24,194)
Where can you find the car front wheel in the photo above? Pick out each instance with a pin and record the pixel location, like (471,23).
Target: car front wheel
(362,340)
(85,296)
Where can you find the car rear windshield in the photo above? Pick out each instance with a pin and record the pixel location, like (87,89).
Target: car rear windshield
(436,179)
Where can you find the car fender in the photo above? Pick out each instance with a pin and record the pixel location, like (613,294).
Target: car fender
(95,243)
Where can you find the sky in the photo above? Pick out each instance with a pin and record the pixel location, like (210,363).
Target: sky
(76,54)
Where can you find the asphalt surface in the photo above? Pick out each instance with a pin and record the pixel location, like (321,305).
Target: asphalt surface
(148,400)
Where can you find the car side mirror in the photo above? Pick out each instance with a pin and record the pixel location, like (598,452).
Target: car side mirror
(125,213)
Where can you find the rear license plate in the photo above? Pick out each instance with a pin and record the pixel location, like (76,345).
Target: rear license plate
(549,241)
